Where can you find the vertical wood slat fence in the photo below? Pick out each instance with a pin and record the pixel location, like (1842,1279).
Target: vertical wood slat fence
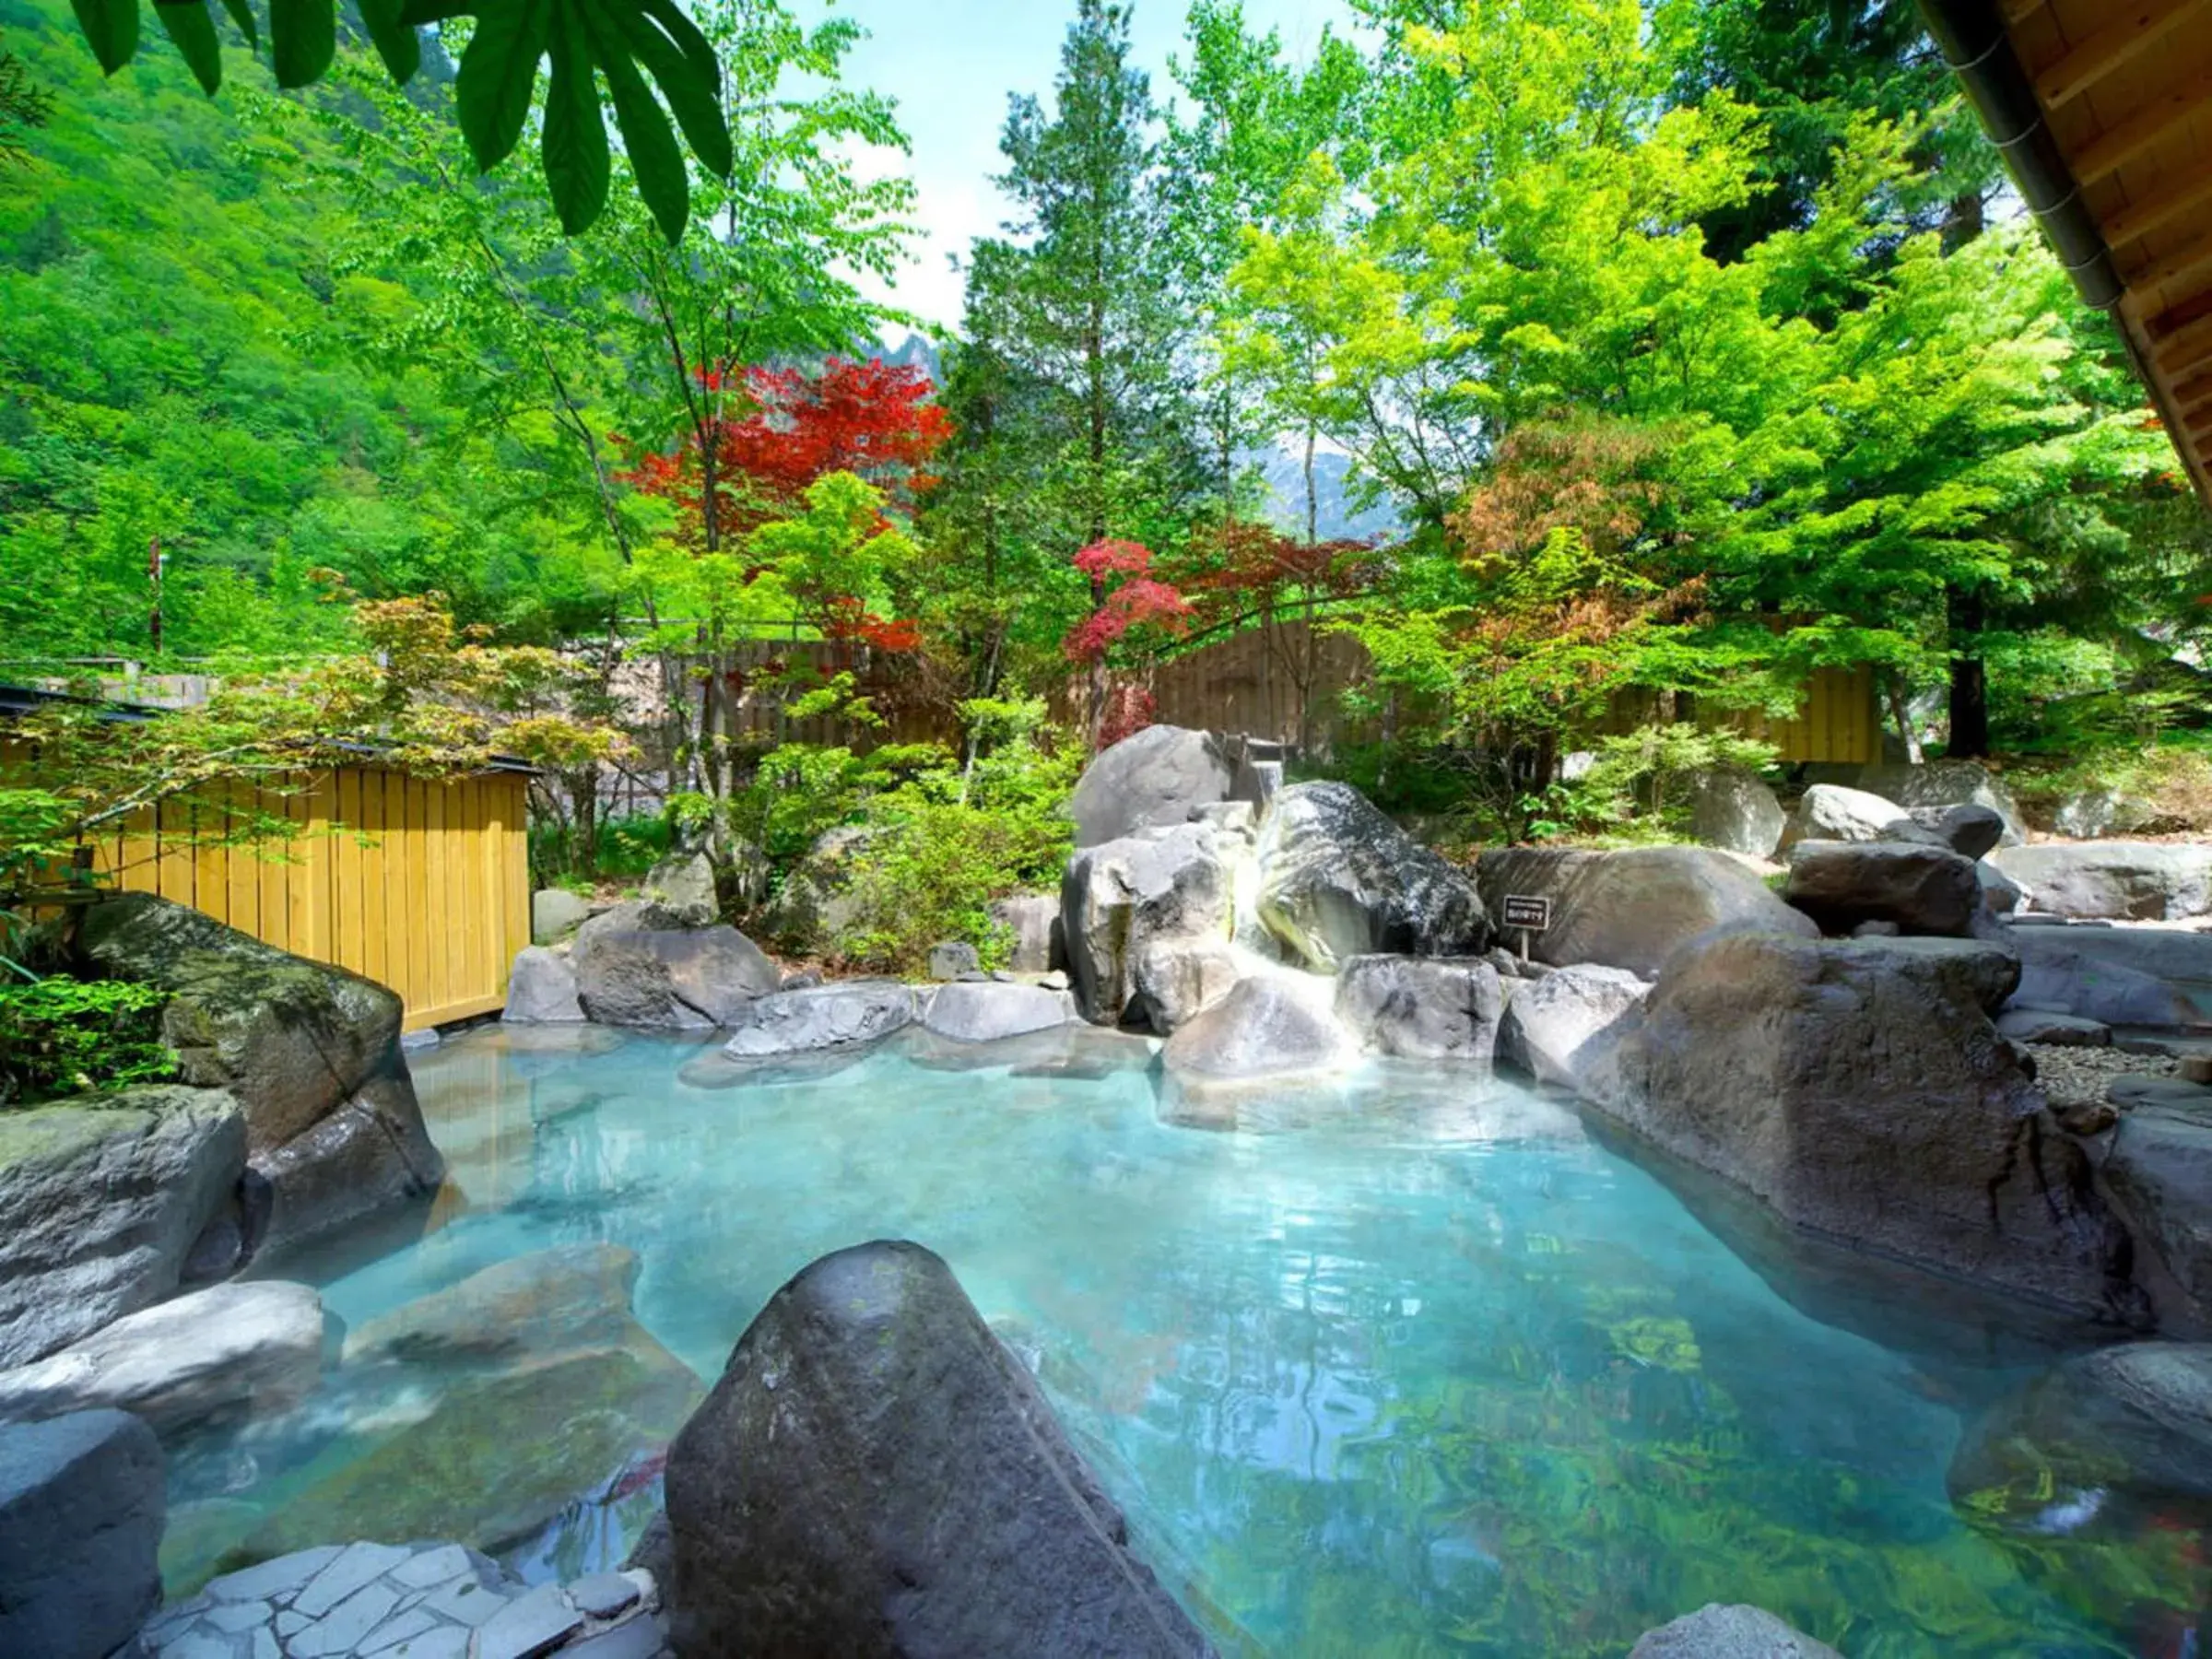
(420,885)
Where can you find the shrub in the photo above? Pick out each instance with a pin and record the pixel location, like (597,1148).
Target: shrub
(1639,784)
(60,1035)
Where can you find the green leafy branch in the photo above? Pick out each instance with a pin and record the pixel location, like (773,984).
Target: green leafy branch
(623,44)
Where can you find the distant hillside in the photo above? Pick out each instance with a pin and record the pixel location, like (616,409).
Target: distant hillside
(1337,518)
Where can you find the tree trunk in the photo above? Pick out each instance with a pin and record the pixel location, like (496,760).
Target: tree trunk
(1901,711)
(1970,679)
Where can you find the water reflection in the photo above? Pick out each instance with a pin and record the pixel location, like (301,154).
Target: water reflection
(1405,1364)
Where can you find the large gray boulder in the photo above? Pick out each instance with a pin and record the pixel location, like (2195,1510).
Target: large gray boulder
(1736,811)
(570,1299)
(815,906)
(683,885)
(874,1476)
(1261,1029)
(1946,783)
(636,967)
(1729,1632)
(310,1051)
(541,989)
(1631,909)
(1922,889)
(104,1201)
(2133,1421)
(1969,828)
(217,1353)
(1032,924)
(1831,812)
(1858,1088)
(81,1506)
(1560,1027)
(1338,879)
(1151,779)
(820,1016)
(1176,980)
(2117,880)
(1120,897)
(555,913)
(2120,976)
(1422,1007)
(2159,1172)
(986,1011)
(2095,814)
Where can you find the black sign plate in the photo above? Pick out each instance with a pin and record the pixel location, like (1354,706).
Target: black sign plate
(1532,914)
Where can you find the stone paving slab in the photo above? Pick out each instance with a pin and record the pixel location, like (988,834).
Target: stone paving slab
(421,1601)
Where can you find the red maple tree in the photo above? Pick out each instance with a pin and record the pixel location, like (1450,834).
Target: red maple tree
(761,436)
(1140,597)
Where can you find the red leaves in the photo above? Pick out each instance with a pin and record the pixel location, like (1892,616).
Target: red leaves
(872,418)
(848,620)
(1140,599)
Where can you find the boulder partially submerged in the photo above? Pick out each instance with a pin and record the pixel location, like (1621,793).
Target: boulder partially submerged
(1561,1029)
(876,1476)
(81,1506)
(1120,897)
(820,1016)
(636,965)
(1859,1088)
(1422,1007)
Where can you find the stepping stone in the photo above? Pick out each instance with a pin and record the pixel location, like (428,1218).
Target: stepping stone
(356,1566)
(433,1567)
(2171,1092)
(200,1645)
(639,1639)
(340,1631)
(396,1629)
(528,1626)
(272,1579)
(468,1603)
(2065,1031)
(444,1642)
(239,1616)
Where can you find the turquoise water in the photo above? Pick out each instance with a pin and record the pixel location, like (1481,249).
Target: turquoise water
(1410,1365)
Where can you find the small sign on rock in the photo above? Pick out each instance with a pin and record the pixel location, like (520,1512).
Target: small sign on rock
(1522,911)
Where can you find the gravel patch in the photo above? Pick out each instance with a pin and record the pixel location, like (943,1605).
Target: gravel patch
(2077,1077)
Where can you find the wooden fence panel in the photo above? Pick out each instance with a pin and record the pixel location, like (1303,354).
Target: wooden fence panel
(420,885)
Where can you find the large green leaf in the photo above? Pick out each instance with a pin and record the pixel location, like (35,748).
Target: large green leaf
(498,72)
(648,140)
(243,15)
(192,31)
(683,65)
(575,138)
(111,29)
(395,40)
(303,38)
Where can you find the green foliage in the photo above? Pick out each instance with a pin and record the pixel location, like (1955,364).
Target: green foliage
(60,1035)
(1639,780)
(625,40)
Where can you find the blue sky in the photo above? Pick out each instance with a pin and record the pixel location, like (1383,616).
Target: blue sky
(951,64)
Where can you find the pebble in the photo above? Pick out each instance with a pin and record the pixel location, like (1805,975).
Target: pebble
(2078,1081)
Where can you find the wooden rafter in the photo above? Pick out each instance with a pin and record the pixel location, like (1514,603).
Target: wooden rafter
(2135,30)
(2184,348)
(2191,256)
(2141,218)
(2165,113)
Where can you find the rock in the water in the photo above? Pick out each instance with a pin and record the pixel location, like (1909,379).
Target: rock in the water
(1859,1090)
(1176,980)
(634,970)
(571,1297)
(103,1201)
(1260,1029)
(1556,1028)
(310,1051)
(1118,898)
(683,885)
(1631,908)
(1734,810)
(953,958)
(230,1349)
(498,1459)
(820,1016)
(555,913)
(2119,880)
(1968,829)
(2134,1422)
(1151,779)
(874,1476)
(1729,1632)
(1032,924)
(1946,783)
(984,1011)
(1422,1007)
(1338,879)
(541,990)
(81,1505)
(1922,889)
(1829,812)
(2057,1031)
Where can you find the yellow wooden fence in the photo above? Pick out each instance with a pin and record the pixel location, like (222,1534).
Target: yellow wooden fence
(420,885)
